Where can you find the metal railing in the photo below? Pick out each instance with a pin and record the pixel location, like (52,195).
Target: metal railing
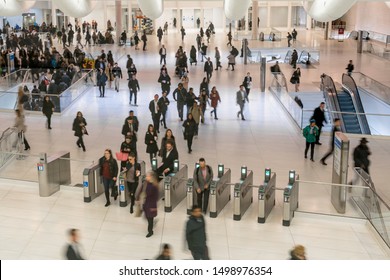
(374,208)
(10,143)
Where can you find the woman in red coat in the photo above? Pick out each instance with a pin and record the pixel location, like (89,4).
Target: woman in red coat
(215,98)
(150,204)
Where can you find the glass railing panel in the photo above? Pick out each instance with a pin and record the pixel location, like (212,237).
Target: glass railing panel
(374,87)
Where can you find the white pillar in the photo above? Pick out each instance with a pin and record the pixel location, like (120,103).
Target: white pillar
(180,19)
(224,22)
(308,22)
(130,22)
(54,14)
(269,15)
(104,27)
(255,15)
(246,22)
(289,16)
(202,17)
(118,19)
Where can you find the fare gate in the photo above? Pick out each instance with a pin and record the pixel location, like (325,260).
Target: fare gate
(92,182)
(175,187)
(123,191)
(243,195)
(191,193)
(266,196)
(290,198)
(220,191)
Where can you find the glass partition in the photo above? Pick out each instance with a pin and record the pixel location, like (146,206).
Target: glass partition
(374,87)
(9,144)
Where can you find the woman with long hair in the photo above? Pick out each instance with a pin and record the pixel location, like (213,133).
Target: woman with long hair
(150,190)
(168,137)
(151,142)
(109,173)
(47,110)
(189,131)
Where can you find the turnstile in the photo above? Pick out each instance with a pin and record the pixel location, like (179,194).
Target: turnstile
(92,182)
(290,198)
(191,195)
(53,171)
(266,196)
(220,192)
(243,195)
(175,188)
(123,191)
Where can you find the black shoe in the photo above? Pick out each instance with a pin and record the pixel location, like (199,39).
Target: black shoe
(107,204)
(312,160)
(78,145)
(27,148)
(165,127)
(131,210)
(318,143)
(149,234)
(323,162)
(84,150)
(115,197)
(189,151)
(215,118)
(49,127)
(305,156)
(243,119)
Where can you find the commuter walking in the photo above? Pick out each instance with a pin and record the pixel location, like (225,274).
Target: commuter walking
(296,79)
(133,172)
(196,234)
(189,131)
(168,137)
(79,128)
(183,33)
(128,146)
(163,54)
(217,59)
(163,104)
(310,133)
(294,59)
(151,192)
(203,101)
(128,65)
(204,85)
(294,35)
(144,39)
(109,173)
(21,128)
(180,95)
(215,98)
(289,38)
(169,155)
(360,155)
(336,128)
(47,110)
(133,89)
(350,68)
(101,82)
(203,51)
(159,35)
(165,254)
(208,68)
(197,115)
(73,249)
(151,142)
(165,81)
(193,56)
(247,83)
(231,61)
(241,98)
(203,175)
(319,117)
(154,109)
(185,80)
(117,74)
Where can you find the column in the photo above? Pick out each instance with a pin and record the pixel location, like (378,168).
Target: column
(255,15)
(289,16)
(130,21)
(103,26)
(224,23)
(54,14)
(180,19)
(202,17)
(269,15)
(308,22)
(118,19)
(246,22)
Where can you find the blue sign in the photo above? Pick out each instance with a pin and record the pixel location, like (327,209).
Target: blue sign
(40,167)
(122,188)
(85,183)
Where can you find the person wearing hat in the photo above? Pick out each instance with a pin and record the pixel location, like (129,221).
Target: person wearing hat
(336,127)
(360,155)
(310,133)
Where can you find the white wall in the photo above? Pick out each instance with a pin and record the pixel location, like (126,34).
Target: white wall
(279,16)
(19,19)
(188,18)
(218,14)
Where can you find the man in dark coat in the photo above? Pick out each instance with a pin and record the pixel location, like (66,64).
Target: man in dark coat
(196,234)
(159,34)
(208,68)
(165,82)
(360,155)
(169,156)
(319,116)
(73,249)
(154,109)
(336,127)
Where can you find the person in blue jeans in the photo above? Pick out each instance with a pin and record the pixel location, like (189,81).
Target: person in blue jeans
(108,173)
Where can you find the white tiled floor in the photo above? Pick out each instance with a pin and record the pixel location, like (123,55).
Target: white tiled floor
(35,228)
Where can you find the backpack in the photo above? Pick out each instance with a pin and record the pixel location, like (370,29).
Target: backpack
(234,52)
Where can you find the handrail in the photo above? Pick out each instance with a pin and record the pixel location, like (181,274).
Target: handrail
(358,116)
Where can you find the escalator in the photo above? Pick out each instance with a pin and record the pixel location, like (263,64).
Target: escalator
(351,121)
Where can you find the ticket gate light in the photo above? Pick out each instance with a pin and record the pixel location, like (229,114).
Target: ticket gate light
(291,177)
(243,195)
(175,165)
(244,171)
(266,196)
(191,195)
(197,165)
(221,170)
(220,192)
(154,164)
(175,188)
(123,191)
(290,198)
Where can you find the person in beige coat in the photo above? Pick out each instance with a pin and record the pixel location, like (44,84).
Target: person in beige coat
(198,116)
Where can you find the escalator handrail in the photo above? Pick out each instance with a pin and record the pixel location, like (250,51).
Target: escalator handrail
(357,102)
(330,92)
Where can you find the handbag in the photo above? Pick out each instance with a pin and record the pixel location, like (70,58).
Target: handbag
(114,192)
(139,204)
(185,135)
(293,80)
(122,156)
(84,130)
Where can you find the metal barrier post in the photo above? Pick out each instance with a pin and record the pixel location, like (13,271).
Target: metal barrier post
(191,195)
(175,188)
(122,191)
(266,195)
(92,183)
(243,196)
(290,198)
(220,192)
